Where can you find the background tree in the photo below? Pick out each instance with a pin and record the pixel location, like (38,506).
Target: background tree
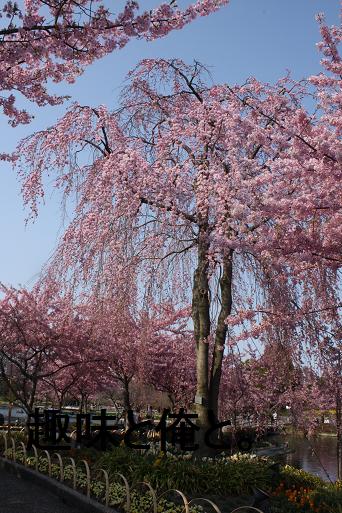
(322,349)
(39,339)
(257,384)
(118,340)
(167,337)
(141,346)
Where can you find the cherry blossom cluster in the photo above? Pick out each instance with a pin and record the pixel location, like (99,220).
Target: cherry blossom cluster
(44,41)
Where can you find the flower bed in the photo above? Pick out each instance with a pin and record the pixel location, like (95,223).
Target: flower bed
(304,492)
(217,479)
(220,476)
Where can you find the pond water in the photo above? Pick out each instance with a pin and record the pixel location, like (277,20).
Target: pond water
(17,413)
(317,456)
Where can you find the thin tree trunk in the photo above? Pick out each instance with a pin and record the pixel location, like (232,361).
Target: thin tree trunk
(126,394)
(221,332)
(201,320)
(61,401)
(172,401)
(339,435)
(81,403)
(32,395)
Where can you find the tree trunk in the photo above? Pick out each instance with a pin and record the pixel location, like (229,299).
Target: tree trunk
(81,407)
(172,401)
(221,332)
(61,401)
(32,396)
(86,403)
(201,320)
(126,394)
(339,435)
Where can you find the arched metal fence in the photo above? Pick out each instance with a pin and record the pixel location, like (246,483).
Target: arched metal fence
(80,476)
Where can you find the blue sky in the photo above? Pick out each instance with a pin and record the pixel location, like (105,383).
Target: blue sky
(261,38)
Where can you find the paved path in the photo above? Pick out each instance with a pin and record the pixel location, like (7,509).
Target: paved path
(20,496)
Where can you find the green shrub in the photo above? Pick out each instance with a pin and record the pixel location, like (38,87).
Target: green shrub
(223,476)
(117,494)
(315,496)
(291,476)
(328,499)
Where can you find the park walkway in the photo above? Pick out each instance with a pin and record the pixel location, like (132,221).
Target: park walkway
(20,496)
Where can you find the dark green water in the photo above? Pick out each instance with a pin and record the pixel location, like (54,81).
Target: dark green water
(317,456)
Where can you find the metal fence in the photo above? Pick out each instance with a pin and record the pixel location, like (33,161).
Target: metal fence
(17,452)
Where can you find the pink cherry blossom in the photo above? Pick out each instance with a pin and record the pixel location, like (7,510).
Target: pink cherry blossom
(224,196)
(55,41)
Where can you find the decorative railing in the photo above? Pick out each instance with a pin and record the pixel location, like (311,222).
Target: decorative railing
(17,452)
